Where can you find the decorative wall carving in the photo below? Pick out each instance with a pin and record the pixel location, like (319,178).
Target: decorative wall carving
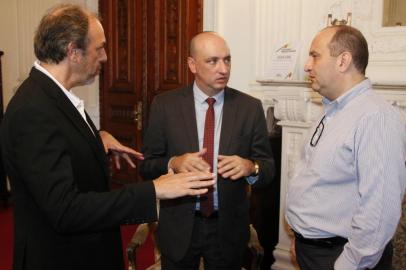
(172,60)
(367,16)
(387,45)
(122,41)
(120,113)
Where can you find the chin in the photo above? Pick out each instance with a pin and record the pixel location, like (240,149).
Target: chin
(220,87)
(89,80)
(315,87)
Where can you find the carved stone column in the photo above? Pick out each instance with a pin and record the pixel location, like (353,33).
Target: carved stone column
(296,106)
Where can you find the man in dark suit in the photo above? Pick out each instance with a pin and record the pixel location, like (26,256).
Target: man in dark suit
(207,127)
(65,215)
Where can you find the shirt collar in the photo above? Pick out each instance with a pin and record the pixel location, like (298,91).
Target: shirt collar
(331,107)
(201,97)
(76,101)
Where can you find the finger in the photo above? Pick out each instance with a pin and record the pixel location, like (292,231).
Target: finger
(202,165)
(190,168)
(116,159)
(130,151)
(221,157)
(224,161)
(129,160)
(226,167)
(201,184)
(237,175)
(199,176)
(170,171)
(202,152)
(233,172)
(195,192)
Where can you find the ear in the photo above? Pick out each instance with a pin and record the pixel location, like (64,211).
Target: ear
(192,64)
(72,52)
(344,61)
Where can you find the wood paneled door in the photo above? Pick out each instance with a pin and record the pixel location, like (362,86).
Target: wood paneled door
(147,47)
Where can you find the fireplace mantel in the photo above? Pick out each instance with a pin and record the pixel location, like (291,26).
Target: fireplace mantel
(297,106)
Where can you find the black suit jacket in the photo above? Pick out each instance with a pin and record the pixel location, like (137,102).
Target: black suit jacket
(172,131)
(65,216)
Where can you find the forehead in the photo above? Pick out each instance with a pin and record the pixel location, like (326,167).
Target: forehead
(321,41)
(211,46)
(96,32)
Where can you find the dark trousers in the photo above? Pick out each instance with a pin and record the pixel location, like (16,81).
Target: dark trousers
(204,244)
(314,257)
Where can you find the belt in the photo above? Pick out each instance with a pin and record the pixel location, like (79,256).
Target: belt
(321,242)
(213,215)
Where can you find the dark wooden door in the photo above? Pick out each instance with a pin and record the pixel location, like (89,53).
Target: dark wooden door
(147,47)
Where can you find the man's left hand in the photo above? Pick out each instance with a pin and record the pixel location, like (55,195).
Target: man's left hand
(118,150)
(234,167)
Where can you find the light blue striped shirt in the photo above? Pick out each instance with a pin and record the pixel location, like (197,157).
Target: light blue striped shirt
(351,183)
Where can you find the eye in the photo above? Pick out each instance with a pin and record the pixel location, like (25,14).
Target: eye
(212,61)
(314,55)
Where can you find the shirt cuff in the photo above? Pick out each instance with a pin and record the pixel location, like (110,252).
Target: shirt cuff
(251,179)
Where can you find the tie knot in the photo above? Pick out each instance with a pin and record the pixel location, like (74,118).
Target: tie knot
(210,101)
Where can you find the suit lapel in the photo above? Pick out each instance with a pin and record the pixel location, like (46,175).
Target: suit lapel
(71,113)
(99,143)
(229,118)
(189,118)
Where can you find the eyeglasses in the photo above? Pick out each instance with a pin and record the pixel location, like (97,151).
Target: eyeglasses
(317,133)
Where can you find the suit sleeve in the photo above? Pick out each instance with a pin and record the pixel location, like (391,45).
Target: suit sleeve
(155,147)
(261,148)
(39,154)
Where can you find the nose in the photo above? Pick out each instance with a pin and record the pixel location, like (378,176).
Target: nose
(223,67)
(308,65)
(103,56)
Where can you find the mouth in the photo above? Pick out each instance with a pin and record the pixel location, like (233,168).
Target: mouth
(312,78)
(221,80)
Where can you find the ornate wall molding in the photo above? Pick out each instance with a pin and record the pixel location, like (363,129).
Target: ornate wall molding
(387,45)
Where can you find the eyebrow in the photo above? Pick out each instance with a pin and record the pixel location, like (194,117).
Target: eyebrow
(217,57)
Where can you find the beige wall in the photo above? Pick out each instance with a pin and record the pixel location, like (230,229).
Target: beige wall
(18,21)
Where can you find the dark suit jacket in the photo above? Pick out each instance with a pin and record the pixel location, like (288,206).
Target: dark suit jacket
(172,131)
(65,218)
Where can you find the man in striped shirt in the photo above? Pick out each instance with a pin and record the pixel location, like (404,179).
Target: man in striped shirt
(344,199)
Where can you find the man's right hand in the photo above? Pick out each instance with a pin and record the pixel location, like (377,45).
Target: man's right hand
(190,162)
(172,185)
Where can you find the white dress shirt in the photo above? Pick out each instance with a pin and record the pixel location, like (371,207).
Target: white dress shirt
(76,101)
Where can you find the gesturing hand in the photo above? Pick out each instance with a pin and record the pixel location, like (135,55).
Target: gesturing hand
(172,185)
(234,167)
(190,162)
(118,150)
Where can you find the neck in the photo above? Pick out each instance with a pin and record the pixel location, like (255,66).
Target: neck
(208,91)
(60,72)
(347,83)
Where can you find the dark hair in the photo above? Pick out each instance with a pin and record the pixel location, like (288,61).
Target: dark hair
(347,38)
(60,26)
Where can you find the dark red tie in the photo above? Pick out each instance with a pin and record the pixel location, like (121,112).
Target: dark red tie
(206,200)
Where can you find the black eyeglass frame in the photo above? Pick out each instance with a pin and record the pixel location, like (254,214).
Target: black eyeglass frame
(313,141)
